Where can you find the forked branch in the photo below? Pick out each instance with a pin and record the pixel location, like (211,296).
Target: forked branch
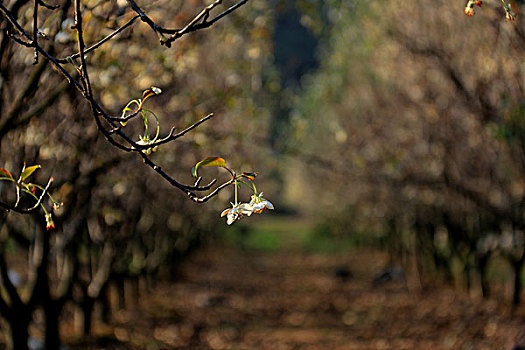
(112,127)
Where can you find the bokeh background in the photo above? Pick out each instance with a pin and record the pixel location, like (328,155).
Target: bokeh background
(389,135)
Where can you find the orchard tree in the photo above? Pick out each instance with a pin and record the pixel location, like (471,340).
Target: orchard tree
(73,257)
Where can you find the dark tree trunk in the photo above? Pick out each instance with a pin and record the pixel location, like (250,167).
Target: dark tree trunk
(175,258)
(87,313)
(133,290)
(482,266)
(121,292)
(467,269)
(442,264)
(19,332)
(52,334)
(517,266)
(105,304)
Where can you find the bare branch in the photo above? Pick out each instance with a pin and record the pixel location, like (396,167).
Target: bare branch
(16,209)
(101,42)
(48,6)
(172,181)
(200,21)
(204,14)
(204,199)
(35,29)
(18,40)
(13,21)
(144,18)
(106,124)
(31,209)
(171,136)
(81,47)
(126,118)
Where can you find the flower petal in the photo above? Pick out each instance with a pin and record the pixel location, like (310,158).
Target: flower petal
(268,205)
(231,218)
(246,209)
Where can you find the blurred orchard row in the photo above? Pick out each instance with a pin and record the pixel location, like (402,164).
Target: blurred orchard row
(413,131)
(401,121)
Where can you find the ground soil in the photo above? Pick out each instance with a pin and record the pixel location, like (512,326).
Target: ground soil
(230,299)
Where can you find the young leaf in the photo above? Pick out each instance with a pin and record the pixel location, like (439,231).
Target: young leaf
(249,176)
(210,161)
(5,173)
(28,171)
(150,92)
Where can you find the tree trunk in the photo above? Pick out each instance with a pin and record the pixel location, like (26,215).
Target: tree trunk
(482,266)
(105,304)
(467,269)
(133,290)
(87,311)
(52,332)
(121,292)
(517,267)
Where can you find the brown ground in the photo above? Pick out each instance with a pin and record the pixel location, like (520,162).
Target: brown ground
(233,300)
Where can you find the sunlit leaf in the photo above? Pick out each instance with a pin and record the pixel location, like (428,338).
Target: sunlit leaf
(5,173)
(210,161)
(28,171)
(249,176)
(151,92)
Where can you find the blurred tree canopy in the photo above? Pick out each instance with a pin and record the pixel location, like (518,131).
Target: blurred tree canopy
(412,128)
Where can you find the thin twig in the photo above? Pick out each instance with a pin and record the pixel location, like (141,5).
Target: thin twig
(194,25)
(35,30)
(81,47)
(101,42)
(48,6)
(144,18)
(204,199)
(126,118)
(16,209)
(172,181)
(18,40)
(171,136)
(21,30)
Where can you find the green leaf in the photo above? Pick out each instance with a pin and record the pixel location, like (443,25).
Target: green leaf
(28,171)
(5,173)
(210,161)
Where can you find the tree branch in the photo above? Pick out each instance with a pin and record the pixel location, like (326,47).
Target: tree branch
(192,26)
(200,21)
(101,42)
(35,29)
(16,209)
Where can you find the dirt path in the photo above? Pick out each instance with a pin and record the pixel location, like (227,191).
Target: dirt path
(233,300)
